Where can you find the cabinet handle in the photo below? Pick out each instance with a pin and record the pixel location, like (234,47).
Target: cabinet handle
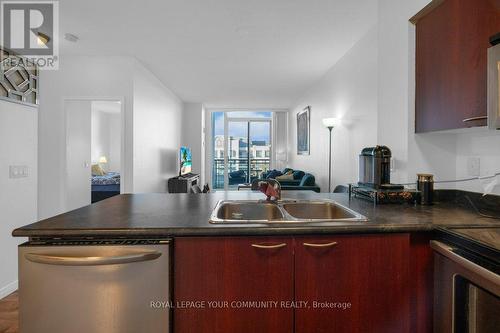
(277,246)
(320,245)
(466,120)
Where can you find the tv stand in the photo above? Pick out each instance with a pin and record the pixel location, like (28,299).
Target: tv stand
(188,176)
(183,183)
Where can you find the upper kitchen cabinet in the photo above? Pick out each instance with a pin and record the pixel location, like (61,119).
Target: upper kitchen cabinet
(451,63)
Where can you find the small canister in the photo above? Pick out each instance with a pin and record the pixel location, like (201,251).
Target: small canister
(425,184)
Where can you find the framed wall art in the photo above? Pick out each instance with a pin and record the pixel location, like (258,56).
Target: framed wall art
(303,131)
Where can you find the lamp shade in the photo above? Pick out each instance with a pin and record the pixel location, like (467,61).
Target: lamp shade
(103,159)
(331,122)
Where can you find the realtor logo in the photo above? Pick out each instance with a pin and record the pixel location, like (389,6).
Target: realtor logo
(31,30)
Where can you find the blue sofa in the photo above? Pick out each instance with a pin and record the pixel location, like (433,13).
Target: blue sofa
(237,177)
(302,181)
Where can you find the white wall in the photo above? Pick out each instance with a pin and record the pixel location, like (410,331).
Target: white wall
(384,62)
(349,91)
(115,141)
(484,145)
(151,120)
(18,197)
(157,132)
(442,154)
(100,135)
(192,136)
(78,76)
(207,115)
(412,153)
(106,138)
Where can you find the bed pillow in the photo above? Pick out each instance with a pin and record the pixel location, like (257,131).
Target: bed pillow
(97,170)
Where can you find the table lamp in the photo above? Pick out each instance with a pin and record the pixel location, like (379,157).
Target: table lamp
(103,160)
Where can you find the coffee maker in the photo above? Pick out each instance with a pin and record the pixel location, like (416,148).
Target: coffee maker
(375,168)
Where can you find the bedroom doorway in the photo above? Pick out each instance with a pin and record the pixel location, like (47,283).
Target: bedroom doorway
(94,150)
(105,149)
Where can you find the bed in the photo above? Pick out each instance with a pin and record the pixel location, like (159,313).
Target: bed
(105,186)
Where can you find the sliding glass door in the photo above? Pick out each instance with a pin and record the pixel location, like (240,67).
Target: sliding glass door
(235,161)
(242,148)
(260,148)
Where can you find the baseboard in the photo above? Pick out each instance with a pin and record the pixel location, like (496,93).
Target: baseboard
(8,289)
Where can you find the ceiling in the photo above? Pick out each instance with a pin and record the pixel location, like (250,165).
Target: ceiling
(224,53)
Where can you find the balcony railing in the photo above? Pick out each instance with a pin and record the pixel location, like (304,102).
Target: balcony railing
(257,166)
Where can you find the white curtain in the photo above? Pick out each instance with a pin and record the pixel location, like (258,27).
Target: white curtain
(280,140)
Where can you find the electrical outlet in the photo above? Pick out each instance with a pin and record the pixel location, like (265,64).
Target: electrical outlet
(13,172)
(474,166)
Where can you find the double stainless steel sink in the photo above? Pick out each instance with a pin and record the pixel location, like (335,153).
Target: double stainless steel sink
(283,212)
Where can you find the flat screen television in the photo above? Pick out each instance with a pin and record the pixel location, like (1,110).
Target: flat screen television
(185,159)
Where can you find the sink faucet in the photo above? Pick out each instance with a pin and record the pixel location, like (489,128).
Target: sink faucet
(271,188)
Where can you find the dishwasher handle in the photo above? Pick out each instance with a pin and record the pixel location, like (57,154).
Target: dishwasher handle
(92,260)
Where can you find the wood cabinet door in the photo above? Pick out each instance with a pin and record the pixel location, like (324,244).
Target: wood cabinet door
(244,275)
(369,272)
(451,64)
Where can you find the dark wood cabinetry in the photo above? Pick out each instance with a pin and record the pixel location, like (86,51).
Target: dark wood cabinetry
(351,283)
(451,63)
(370,273)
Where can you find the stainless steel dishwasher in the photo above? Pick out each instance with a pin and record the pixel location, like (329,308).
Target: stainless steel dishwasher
(466,290)
(95,286)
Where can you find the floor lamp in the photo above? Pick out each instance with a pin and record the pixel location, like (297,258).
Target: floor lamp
(330,123)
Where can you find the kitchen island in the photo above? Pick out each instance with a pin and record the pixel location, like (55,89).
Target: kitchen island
(161,214)
(374,275)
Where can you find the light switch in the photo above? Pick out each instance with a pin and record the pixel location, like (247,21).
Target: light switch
(18,171)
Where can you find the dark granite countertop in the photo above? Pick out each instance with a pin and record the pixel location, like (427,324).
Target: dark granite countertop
(140,215)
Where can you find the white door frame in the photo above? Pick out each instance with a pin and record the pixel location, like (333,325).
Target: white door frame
(123,170)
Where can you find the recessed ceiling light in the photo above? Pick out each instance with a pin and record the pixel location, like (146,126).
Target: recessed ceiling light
(71,38)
